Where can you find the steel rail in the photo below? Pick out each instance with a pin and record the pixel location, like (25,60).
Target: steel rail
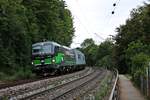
(77,87)
(56,87)
(18,90)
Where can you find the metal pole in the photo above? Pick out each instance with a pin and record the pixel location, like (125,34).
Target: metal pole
(147,81)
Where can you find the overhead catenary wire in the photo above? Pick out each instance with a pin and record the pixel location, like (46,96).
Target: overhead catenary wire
(115,5)
(81,11)
(81,23)
(112,12)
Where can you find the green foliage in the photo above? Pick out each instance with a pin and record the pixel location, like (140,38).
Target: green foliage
(53,20)
(104,88)
(106,62)
(87,43)
(23,22)
(105,54)
(99,55)
(20,73)
(132,38)
(133,49)
(132,46)
(139,63)
(89,49)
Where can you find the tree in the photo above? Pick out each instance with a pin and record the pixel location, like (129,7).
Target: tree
(24,22)
(89,49)
(98,55)
(13,35)
(53,20)
(136,28)
(87,42)
(105,48)
(105,54)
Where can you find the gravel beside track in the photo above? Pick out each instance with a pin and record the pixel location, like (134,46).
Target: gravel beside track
(71,89)
(17,91)
(97,88)
(74,93)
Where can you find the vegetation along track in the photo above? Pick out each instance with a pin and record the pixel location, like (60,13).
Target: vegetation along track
(24,90)
(68,90)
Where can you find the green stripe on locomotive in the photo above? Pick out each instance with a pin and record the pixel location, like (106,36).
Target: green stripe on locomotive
(59,58)
(47,60)
(63,59)
(36,62)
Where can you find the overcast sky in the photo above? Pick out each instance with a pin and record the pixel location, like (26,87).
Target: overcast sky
(94,16)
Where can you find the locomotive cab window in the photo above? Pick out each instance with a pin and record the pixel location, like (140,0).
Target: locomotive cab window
(79,56)
(47,48)
(37,49)
(56,49)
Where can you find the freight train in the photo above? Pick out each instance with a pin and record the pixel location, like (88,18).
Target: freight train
(52,58)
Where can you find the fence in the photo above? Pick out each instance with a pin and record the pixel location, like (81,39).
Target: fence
(145,82)
(114,92)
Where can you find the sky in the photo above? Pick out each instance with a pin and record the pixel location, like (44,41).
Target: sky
(93,18)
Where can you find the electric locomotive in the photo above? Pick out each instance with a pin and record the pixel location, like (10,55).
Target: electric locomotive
(53,58)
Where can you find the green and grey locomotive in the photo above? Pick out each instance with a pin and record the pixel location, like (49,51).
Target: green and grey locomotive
(51,57)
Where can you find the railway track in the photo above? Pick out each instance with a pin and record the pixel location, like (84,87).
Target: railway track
(25,90)
(7,84)
(80,89)
(68,90)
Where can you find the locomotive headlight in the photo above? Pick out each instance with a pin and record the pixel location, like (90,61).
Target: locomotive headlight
(53,60)
(32,63)
(42,61)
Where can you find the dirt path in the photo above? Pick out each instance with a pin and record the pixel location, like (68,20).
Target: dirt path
(127,90)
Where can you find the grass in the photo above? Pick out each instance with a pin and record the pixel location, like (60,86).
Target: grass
(104,88)
(17,75)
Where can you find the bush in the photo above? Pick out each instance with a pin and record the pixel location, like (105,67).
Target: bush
(21,73)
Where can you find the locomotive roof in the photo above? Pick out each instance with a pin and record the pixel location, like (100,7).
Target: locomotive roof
(54,43)
(41,43)
(66,47)
(78,51)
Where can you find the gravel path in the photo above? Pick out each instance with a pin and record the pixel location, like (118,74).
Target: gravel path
(127,90)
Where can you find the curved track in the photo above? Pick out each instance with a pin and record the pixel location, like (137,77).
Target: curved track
(7,84)
(25,90)
(74,92)
(66,87)
(69,89)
